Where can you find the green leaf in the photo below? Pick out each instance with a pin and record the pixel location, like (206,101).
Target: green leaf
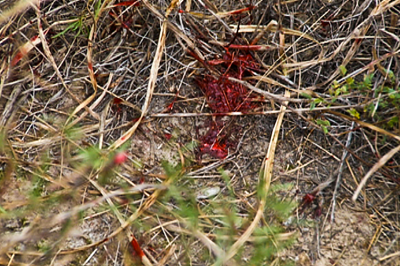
(312,106)
(394,121)
(306,95)
(350,81)
(2,210)
(390,75)
(92,156)
(74,26)
(97,7)
(368,81)
(70,27)
(324,124)
(353,112)
(343,70)
(172,171)
(335,84)
(318,100)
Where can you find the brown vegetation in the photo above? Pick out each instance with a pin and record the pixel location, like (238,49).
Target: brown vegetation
(199,132)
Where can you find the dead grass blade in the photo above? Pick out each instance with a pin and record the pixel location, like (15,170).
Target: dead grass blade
(9,241)
(214,248)
(109,195)
(382,161)
(10,107)
(273,27)
(91,75)
(265,181)
(90,69)
(152,78)
(270,81)
(178,33)
(357,35)
(54,64)
(267,94)
(367,125)
(18,8)
(375,168)
(25,49)
(170,251)
(147,204)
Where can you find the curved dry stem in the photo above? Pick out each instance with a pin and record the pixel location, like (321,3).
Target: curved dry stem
(265,181)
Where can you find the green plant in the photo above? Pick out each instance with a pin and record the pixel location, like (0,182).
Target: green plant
(221,215)
(382,102)
(78,26)
(324,124)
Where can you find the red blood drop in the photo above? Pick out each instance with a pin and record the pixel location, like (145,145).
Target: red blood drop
(120,158)
(308,198)
(117,101)
(318,212)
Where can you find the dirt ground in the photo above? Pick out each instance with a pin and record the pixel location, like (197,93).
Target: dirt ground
(124,142)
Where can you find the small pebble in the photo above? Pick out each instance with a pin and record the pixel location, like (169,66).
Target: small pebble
(208,192)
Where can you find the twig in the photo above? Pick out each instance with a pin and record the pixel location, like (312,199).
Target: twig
(217,17)
(270,112)
(266,93)
(339,177)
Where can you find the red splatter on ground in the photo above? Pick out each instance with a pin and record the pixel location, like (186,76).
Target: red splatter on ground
(116,105)
(308,199)
(216,141)
(224,96)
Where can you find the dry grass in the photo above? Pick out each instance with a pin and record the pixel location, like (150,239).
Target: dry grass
(83,82)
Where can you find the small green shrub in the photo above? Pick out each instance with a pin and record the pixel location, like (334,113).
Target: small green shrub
(381,102)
